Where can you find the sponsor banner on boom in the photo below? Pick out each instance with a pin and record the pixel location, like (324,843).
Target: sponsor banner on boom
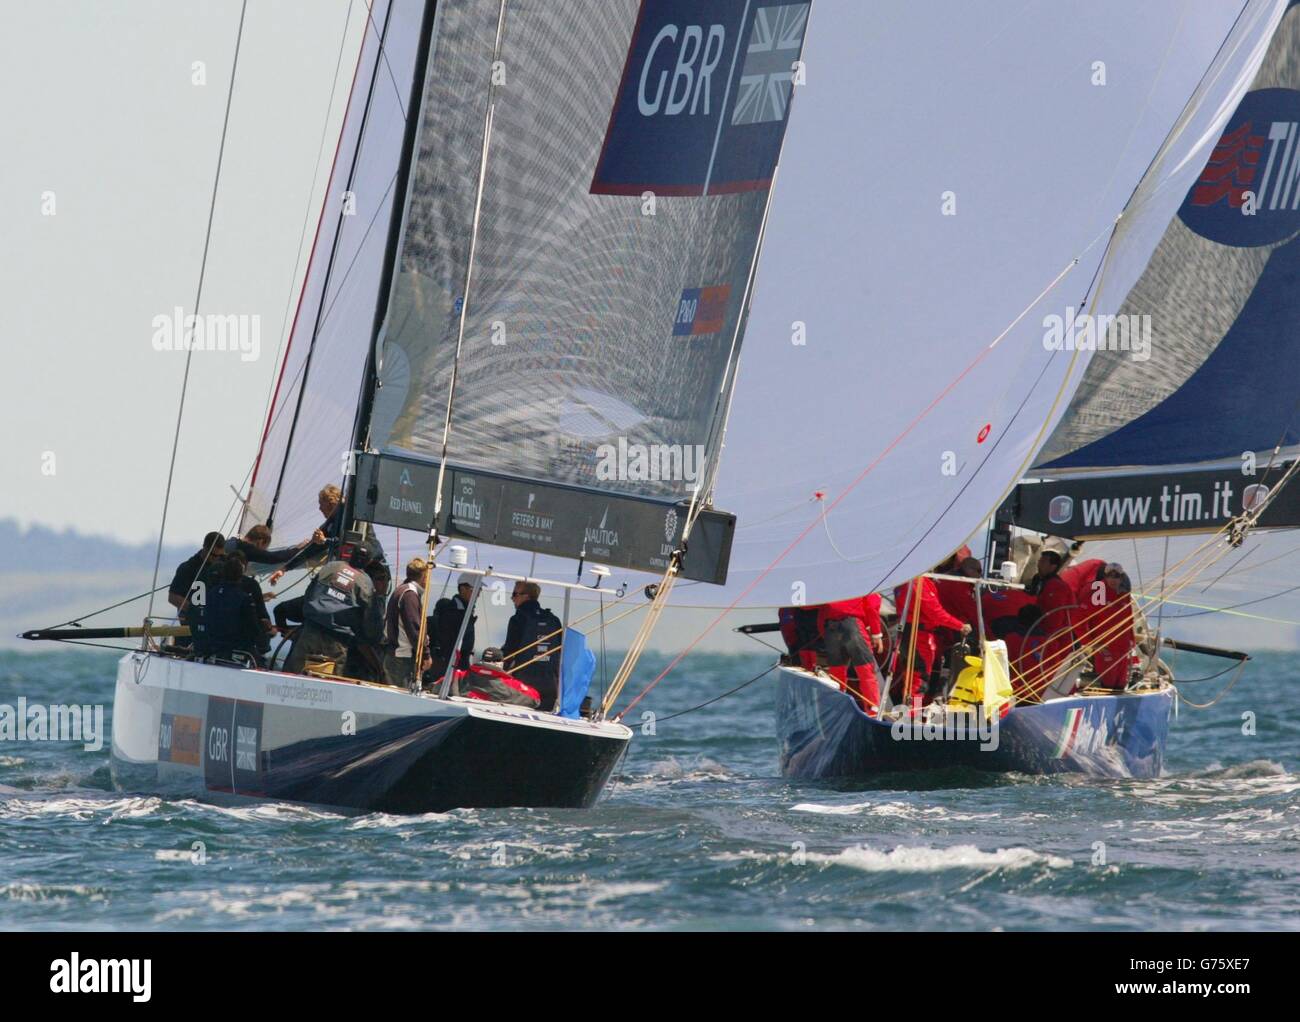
(1202,501)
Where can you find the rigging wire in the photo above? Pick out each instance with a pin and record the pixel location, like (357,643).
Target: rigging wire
(383,52)
(227,520)
(1234,606)
(288,323)
(719,698)
(321,310)
(938,399)
(460,335)
(203,266)
(1240,669)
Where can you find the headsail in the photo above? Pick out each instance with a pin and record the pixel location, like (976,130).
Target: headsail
(309,428)
(909,384)
(1198,429)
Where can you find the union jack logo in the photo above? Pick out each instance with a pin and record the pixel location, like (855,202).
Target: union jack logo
(765,80)
(1231,169)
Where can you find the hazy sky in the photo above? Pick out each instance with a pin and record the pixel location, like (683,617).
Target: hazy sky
(101,109)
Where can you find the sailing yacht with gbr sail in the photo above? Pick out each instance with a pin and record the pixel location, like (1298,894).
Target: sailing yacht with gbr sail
(531,253)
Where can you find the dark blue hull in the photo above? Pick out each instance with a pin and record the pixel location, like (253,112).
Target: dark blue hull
(823,734)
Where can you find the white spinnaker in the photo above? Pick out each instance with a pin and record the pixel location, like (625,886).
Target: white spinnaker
(329,388)
(896,384)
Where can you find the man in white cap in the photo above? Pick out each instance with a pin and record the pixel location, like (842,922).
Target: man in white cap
(444,626)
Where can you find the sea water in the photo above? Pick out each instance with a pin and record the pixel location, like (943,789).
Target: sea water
(697,830)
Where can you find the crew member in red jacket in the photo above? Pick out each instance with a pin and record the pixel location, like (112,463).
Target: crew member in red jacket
(851,629)
(1104,620)
(1056,599)
(1003,618)
(958,598)
(920,603)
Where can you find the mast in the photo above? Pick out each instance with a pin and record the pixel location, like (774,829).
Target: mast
(396,225)
(451,396)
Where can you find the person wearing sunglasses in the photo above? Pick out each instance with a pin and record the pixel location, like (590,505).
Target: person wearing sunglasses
(532,648)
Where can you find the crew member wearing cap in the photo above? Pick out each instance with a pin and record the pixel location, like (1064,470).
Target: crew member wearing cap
(444,626)
(336,613)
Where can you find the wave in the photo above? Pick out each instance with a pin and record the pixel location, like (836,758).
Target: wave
(924,859)
(901,810)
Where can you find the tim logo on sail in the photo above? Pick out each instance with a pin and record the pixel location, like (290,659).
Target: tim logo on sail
(1248,194)
(702,105)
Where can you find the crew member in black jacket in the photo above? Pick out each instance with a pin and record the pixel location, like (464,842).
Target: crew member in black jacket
(532,647)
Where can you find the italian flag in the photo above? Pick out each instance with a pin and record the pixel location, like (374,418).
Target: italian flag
(1068,732)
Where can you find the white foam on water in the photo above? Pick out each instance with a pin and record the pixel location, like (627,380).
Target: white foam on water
(241,901)
(135,808)
(366,887)
(77,808)
(697,768)
(922,859)
(590,895)
(49,892)
(274,812)
(515,851)
(1255,779)
(900,810)
(1185,836)
(11,761)
(911,859)
(1253,768)
(389,821)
